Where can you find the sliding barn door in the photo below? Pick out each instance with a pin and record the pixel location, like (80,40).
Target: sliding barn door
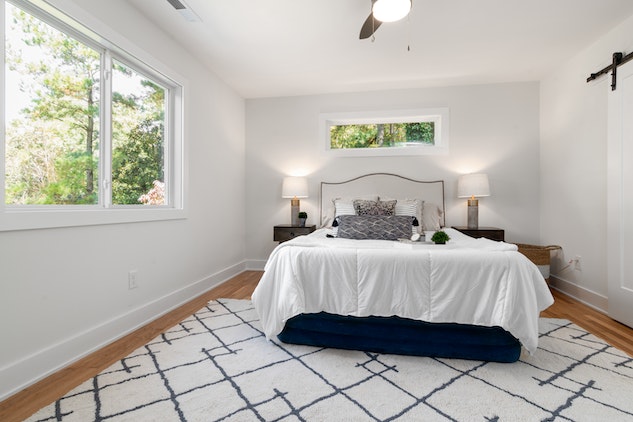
(620,198)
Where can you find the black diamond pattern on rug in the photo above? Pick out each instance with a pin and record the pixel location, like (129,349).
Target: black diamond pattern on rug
(217,366)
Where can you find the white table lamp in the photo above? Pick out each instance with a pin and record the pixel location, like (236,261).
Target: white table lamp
(473,186)
(295,188)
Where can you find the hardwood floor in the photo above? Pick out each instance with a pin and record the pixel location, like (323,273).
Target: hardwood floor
(46,391)
(597,323)
(30,400)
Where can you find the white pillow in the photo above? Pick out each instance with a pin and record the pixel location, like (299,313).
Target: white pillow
(343,207)
(431,217)
(413,208)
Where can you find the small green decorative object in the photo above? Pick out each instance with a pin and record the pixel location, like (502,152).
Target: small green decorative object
(303,216)
(440,237)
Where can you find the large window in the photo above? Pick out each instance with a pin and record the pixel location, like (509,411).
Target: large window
(400,132)
(87,127)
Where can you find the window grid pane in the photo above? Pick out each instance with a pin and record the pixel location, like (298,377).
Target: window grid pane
(52,114)
(382,135)
(138,138)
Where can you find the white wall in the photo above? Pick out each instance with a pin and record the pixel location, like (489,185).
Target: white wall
(493,129)
(574,166)
(64,291)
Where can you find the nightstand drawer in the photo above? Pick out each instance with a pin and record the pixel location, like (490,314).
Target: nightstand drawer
(492,233)
(284,232)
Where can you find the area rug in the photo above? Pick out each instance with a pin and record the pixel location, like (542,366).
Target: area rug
(217,366)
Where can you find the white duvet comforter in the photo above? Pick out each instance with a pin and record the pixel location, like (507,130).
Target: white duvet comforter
(467,281)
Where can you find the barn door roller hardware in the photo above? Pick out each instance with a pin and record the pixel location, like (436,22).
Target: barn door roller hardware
(618,59)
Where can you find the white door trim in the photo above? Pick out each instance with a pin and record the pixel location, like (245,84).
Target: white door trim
(620,197)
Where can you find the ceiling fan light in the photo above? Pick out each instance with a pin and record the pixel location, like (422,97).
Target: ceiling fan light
(391,10)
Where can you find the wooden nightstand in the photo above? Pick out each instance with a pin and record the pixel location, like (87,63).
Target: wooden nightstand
(283,232)
(492,233)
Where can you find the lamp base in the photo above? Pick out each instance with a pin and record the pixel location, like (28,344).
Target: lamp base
(294,212)
(473,214)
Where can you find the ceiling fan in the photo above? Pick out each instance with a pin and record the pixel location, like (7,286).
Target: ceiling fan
(384,11)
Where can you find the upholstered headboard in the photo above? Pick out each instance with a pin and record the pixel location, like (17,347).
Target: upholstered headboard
(384,185)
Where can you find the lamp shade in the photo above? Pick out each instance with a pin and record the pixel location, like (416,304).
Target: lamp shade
(473,185)
(294,187)
(391,10)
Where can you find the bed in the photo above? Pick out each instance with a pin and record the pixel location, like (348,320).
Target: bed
(469,299)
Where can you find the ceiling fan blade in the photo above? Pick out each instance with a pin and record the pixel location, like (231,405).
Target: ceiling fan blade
(369,27)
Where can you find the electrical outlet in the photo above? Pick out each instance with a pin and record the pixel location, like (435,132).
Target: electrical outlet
(132,282)
(577,265)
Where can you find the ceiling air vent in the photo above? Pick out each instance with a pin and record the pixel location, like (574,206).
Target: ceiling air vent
(185,12)
(177,5)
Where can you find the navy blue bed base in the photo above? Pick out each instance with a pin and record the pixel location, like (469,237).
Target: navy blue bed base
(402,336)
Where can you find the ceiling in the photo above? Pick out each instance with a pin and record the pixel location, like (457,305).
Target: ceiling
(271,48)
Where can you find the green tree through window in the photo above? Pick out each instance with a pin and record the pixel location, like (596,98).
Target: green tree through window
(382,135)
(52,120)
(53,138)
(138,130)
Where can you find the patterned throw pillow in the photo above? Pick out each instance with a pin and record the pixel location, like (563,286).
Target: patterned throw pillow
(364,207)
(380,227)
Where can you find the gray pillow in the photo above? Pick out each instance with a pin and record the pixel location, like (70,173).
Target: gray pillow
(380,227)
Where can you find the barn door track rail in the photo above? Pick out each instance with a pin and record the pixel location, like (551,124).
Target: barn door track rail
(618,60)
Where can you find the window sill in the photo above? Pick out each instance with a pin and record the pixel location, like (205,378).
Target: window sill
(29,219)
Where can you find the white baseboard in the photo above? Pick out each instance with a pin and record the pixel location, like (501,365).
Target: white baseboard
(255,264)
(586,296)
(32,368)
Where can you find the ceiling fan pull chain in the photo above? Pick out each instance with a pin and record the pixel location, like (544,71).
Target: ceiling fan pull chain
(373,25)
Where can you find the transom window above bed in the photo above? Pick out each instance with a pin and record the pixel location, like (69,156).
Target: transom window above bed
(396,132)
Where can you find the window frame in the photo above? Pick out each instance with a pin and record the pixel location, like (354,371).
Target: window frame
(23,217)
(438,115)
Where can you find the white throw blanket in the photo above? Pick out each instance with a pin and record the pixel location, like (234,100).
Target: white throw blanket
(466,281)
